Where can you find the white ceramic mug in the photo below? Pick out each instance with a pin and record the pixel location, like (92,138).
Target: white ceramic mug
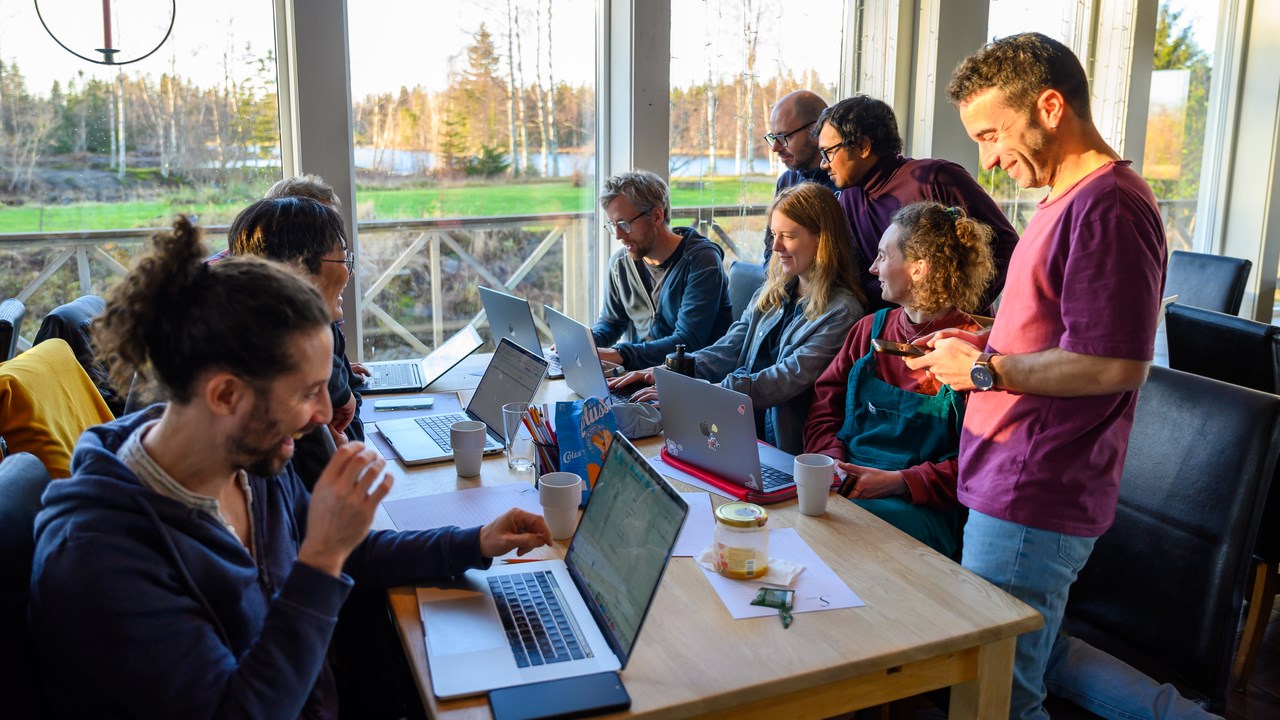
(560,493)
(467,438)
(814,474)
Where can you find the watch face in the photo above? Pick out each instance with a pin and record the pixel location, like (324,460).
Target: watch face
(981,377)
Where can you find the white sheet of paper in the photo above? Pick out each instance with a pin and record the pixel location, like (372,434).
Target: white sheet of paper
(464,508)
(817,588)
(698,528)
(684,477)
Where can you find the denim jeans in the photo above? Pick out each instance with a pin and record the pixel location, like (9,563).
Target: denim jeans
(1038,567)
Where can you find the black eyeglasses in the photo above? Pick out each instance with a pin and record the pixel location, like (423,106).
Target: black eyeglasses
(771,138)
(828,151)
(349,260)
(623,225)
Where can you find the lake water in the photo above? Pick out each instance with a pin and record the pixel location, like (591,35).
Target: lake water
(419,162)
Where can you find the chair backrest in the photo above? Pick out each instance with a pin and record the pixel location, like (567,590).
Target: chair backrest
(46,402)
(11,314)
(22,482)
(71,322)
(1224,347)
(1212,282)
(744,279)
(1164,587)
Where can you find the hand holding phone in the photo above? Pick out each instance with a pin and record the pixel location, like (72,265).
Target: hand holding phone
(890,347)
(418,403)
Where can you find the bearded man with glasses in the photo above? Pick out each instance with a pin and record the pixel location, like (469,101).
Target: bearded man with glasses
(789,137)
(860,149)
(666,286)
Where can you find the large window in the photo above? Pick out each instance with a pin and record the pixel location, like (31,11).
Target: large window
(1179,107)
(475,162)
(115,150)
(730,62)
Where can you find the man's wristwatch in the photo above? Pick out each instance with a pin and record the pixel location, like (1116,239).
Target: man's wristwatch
(983,373)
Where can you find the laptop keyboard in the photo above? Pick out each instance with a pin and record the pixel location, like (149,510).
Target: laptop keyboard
(538,627)
(773,478)
(392,376)
(437,426)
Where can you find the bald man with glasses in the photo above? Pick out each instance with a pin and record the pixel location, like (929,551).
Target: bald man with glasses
(790,137)
(861,151)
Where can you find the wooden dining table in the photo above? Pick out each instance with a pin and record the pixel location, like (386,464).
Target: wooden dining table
(927,622)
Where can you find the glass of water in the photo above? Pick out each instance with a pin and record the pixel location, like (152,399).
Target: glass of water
(515,426)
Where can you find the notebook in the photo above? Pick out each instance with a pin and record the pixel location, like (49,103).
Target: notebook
(513,375)
(511,317)
(531,622)
(583,368)
(414,375)
(711,433)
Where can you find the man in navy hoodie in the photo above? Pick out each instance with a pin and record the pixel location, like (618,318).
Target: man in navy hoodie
(667,285)
(183,570)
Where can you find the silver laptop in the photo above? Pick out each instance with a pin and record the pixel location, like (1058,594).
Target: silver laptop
(513,375)
(520,624)
(511,317)
(413,375)
(583,368)
(714,428)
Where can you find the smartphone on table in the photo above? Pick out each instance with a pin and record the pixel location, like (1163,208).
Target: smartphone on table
(890,347)
(404,403)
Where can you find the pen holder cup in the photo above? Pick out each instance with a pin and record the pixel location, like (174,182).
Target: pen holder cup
(548,457)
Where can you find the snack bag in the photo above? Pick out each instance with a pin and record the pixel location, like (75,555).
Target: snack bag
(584,429)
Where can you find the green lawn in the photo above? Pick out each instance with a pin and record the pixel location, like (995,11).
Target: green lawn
(468,201)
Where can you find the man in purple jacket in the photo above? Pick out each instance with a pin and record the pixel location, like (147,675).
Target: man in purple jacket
(183,571)
(860,149)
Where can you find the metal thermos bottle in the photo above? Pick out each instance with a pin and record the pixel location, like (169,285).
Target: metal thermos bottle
(680,362)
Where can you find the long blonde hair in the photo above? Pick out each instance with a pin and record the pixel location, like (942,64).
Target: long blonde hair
(815,209)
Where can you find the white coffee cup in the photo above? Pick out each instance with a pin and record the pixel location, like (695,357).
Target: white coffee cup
(560,494)
(814,474)
(467,438)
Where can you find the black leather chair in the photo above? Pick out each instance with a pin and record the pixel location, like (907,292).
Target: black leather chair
(744,279)
(22,481)
(1224,347)
(1246,353)
(1164,587)
(1212,282)
(11,314)
(71,322)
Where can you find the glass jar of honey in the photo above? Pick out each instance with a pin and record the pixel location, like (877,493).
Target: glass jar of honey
(740,542)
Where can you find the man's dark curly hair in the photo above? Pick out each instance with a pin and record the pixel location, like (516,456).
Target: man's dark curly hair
(863,116)
(1022,67)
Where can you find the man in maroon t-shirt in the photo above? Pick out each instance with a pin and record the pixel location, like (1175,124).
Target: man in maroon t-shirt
(1046,428)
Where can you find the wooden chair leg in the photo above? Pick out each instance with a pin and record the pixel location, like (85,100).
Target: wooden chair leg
(1261,598)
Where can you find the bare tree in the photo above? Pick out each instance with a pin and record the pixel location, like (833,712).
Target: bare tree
(752,10)
(540,94)
(551,100)
(513,90)
(120,136)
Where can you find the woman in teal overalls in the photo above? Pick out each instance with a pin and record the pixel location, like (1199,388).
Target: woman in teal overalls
(894,432)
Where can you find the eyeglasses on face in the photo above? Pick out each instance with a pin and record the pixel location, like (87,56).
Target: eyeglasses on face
(781,138)
(827,152)
(349,260)
(624,225)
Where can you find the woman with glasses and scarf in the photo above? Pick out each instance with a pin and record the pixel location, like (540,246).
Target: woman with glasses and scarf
(309,236)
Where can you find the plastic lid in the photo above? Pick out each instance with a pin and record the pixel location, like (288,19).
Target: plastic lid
(742,514)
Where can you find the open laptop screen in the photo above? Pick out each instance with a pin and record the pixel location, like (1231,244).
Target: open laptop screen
(510,367)
(622,545)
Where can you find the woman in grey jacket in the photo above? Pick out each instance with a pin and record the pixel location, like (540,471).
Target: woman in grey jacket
(795,323)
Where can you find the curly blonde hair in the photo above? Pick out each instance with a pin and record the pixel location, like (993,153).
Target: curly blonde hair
(815,209)
(957,249)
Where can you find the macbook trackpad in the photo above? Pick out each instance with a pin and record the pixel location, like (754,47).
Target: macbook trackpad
(462,624)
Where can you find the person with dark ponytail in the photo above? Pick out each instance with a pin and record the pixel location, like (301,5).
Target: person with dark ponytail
(183,570)
(895,432)
(309,236)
